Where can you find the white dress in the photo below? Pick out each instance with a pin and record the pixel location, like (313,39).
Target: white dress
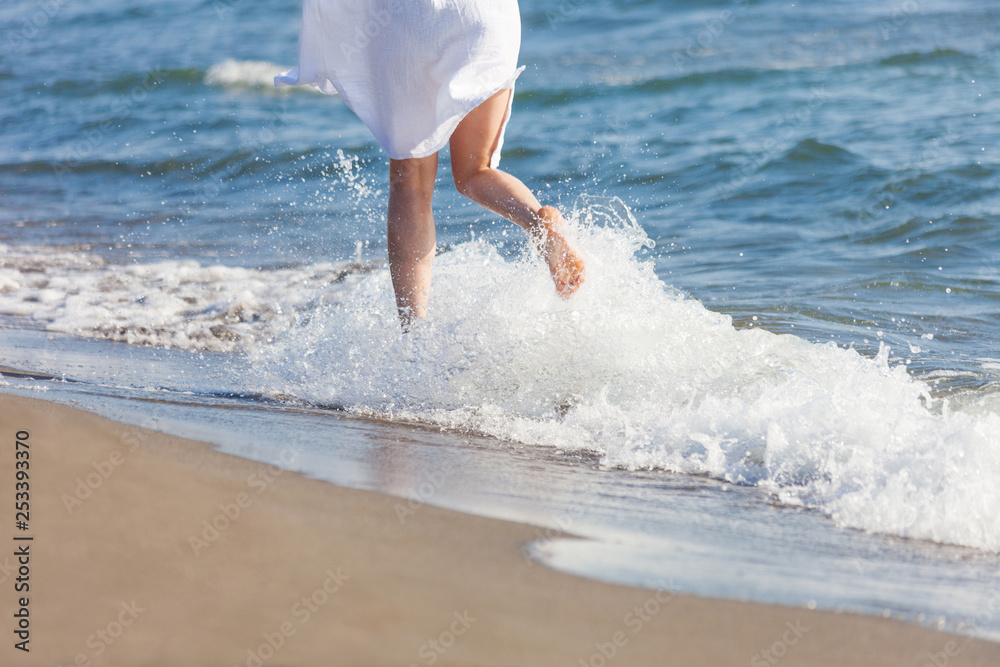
(410,69)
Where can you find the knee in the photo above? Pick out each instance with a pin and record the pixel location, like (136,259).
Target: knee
(465,179)
(411,176)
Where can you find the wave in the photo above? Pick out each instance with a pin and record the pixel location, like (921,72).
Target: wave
(928,57)
(134,85)
(246,74)
(650,379)
(628,369)
(174,304)
(808,151)
(645,86)
(244,158)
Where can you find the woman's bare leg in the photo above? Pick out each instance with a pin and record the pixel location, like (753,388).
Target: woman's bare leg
(472,147)
(411,234)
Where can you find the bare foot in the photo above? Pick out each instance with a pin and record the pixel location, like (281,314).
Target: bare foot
(565,262)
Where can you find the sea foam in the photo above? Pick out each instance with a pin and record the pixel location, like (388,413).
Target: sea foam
(649,378)
(246,73)
(628,368)
(175,304)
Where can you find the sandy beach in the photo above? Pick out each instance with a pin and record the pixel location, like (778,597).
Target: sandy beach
(149,549)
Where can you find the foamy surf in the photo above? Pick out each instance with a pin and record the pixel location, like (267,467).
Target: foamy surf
(648,378)
(247,74)
(173,304)
(628,368)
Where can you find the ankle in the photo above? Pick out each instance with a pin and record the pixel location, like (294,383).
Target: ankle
(546,219)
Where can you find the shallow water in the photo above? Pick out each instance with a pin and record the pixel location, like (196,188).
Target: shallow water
(690,534)
(791,222)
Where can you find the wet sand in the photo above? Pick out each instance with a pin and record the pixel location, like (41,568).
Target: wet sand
(149,549)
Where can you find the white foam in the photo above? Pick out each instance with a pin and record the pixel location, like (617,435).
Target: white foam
(627,368)
(648,378)
(178,304)
(247,73)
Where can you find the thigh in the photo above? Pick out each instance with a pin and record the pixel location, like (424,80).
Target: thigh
(418,173)
(475,139)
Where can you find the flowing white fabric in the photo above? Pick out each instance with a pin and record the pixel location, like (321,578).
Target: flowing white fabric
(410,69)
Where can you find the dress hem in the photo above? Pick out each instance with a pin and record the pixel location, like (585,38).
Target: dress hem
(440,142)
(439,139)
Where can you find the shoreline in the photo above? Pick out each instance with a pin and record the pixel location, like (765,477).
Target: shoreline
(154,549)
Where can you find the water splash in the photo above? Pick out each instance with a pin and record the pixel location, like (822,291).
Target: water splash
(629,368)
(648,378)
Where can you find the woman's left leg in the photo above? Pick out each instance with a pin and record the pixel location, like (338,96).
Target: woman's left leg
(472,146)
(411,234)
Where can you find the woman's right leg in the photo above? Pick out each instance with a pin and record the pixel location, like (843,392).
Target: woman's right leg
(472,147)
(411,234)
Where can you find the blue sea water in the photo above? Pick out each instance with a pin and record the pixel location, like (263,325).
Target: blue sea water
(791,219)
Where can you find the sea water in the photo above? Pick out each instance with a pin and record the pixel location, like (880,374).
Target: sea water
(779,381)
